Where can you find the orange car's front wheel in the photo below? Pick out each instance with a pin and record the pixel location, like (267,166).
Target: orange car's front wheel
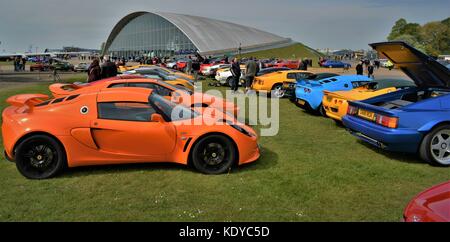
(40,157)
(214,154)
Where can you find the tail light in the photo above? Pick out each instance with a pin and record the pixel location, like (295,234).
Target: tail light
(307,90)
(352,110)
(390,122)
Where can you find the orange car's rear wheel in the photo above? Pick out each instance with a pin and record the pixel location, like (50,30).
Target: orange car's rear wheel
(214,154)
(40,157)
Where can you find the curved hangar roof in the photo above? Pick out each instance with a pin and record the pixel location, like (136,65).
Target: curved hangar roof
(209,35)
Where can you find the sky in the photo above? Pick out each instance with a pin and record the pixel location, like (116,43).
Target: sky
(334,24)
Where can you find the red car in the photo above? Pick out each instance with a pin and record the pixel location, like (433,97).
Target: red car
(181,64)
(40,67)
(292,64)
(432,205)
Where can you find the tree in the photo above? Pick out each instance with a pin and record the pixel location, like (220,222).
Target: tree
(436,38)
(432,38)
(397,29)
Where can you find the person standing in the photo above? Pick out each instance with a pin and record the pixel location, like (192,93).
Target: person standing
(370,70)
(24,62)
(359,69)
(94,71)
(236,75)
(108,68)
(195,69)
(250,74)
(189,65)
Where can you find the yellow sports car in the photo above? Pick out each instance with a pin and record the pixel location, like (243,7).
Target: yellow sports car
(274,81)
(130,68)
(336,105)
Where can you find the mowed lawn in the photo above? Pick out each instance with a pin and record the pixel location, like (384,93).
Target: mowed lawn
(313,170)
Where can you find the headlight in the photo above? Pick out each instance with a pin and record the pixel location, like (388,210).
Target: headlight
(239,128)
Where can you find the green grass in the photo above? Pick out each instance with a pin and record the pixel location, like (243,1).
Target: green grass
(295,51)
(313,170)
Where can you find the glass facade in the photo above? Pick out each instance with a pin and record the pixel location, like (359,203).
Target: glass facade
(150,33)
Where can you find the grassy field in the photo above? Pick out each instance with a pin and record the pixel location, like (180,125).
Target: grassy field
(296,51)
(313,170)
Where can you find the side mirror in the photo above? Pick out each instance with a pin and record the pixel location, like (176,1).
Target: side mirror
(156,117)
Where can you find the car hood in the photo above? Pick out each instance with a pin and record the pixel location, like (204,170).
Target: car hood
(433,204)
(421,68)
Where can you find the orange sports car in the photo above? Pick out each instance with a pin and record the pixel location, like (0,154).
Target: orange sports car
(176,93)
(119,126)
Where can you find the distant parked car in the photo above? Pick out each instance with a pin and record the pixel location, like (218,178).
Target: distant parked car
(335,64)
(39,67)
(83,67)
(292,64)
(432,205)
(62,66)
(211,70)
(386,63)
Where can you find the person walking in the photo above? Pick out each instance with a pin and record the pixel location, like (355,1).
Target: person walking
(108,68)
(359,69)
(370,70)
(250,74)
(236,75)
(94,71)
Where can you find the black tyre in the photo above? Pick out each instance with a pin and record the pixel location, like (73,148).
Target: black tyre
(214,154)
(277,91)
(230,81)
(322,111)
(435,147)
(40,157)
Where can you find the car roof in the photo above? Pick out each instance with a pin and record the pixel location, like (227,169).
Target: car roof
(421,68)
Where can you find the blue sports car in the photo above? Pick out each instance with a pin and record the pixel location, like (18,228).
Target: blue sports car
(415,120)
(309,94)
(335,64)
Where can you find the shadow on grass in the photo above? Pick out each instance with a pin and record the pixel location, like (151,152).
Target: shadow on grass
(123,168)
(267,160)
(399,156)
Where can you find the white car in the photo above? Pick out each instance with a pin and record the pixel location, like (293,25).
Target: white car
(171,64)
(81,67)
(211,70)
(224,76)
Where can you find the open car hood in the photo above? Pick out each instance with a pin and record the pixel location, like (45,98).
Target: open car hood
(421,68)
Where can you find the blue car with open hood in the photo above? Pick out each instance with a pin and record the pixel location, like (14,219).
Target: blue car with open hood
(309,93)
(414,120)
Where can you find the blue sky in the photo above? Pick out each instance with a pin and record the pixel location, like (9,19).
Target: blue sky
(318,23)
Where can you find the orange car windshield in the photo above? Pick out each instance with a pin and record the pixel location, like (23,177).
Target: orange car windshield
(171,111)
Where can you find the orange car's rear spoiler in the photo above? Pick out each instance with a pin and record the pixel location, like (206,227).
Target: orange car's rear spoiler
(62,89)
(28,100)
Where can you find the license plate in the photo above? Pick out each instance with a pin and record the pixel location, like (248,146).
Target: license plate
(301,102)
(366,114)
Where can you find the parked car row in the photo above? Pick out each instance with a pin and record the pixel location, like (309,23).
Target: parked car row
(409,116)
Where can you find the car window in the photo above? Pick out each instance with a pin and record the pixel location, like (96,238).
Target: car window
(302,75)
(160,90)
(116,85)
(359,83)
(125,111)
(291,75)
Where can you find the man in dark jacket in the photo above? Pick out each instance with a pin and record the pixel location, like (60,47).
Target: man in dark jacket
(250,73)
(359,69)
(236,74)
(109,69)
